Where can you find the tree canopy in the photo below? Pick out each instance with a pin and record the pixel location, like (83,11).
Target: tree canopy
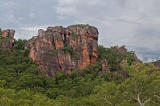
(21,85)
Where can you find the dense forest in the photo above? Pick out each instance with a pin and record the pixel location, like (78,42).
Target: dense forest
(22,85)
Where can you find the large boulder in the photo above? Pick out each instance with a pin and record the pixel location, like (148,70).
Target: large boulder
(64,49)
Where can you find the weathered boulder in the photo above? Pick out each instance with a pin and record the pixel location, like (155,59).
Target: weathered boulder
(64,49)
(7,39)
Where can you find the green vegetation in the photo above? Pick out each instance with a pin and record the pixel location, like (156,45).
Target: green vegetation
(55,52)
(55,36)
(115,56)
(68,48)
(81,25)
(21,85)
(4,39)
(19,44)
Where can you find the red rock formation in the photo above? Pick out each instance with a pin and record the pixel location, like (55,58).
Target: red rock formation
(64,49)
(105,66)
(7,38)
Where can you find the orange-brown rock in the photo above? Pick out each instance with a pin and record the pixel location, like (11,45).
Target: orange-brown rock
(64,49)
(105,66)
(7,39)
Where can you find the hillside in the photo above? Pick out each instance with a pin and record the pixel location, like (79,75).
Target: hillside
(108,77)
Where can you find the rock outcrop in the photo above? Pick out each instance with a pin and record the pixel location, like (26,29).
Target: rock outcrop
(7,39)
(105,66)
(156,63)
(64,49)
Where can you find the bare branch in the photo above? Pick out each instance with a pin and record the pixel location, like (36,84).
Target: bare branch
(146,101)
(157,96)
(138,99)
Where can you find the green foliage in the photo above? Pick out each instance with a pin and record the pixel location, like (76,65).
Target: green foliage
(68,48)
(142,87)
(19,44)
(81,25)
(55,36)
(14,65)
(115,56)
(2,83)
(21,85)
(55,52)
(4,39)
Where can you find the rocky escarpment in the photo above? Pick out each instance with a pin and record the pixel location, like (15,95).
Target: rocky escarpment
(7,39)
(64,49)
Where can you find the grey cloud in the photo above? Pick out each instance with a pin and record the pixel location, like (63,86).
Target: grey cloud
(134,23)
(148,54)
(146,41)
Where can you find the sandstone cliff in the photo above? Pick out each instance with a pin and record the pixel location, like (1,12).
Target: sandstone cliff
(7,39)
(64,49)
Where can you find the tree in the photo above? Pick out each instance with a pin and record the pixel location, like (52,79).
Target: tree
(19,44)
(2,83)
(29,81)
(101,51)
(105,94)
(142,87)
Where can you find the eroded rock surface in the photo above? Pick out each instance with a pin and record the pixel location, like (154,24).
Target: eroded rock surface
(7,39)
(64,49)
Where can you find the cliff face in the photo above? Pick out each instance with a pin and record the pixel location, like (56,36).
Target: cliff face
(64,49)
(7,39)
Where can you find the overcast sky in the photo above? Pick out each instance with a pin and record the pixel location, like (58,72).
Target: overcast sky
(134,23)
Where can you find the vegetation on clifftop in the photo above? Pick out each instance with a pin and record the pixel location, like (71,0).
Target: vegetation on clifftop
(80,25)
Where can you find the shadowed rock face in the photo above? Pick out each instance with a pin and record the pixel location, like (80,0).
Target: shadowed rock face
(64,49)
(7,39)
(105,66)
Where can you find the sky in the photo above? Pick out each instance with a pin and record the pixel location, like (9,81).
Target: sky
(134,23)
